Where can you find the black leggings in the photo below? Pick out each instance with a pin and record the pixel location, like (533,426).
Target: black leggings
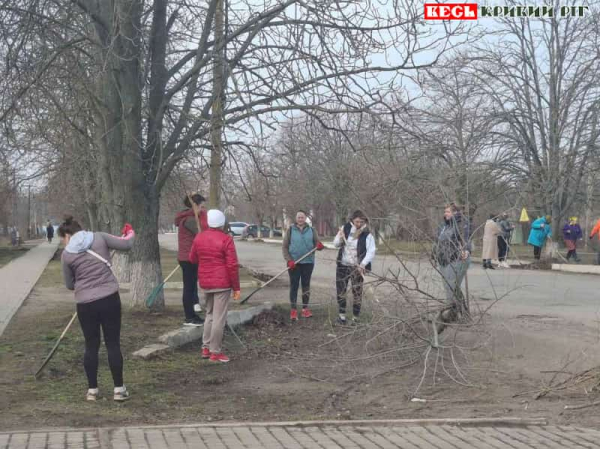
(343,275)
(105,313)
(303,271)
(190,288)
(537,252)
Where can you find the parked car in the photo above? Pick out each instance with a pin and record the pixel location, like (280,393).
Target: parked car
(277,232)
(252,231)
(237,227)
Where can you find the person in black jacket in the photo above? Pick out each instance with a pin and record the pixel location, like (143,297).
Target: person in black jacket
(452,251)
(49,232)
(357,250)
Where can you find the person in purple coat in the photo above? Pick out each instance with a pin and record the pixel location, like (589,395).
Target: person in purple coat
(572,233)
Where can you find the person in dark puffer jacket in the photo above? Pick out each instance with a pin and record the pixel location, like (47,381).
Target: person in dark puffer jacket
(187,230)
(86,270)
(213,251)
(451,253)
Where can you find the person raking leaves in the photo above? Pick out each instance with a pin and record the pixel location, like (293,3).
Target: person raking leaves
(87,270)
(300,239)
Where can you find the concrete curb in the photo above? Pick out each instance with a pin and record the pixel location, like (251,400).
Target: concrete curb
(188,334)
(581,269)
(508,421)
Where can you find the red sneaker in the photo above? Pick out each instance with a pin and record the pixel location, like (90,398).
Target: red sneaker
(294,315)
(205,353)
(306,313)
(219,358)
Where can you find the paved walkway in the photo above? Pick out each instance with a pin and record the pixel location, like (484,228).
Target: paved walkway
(275,436)
(18,278)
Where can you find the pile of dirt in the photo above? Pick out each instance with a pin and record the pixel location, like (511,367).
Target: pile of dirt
(273,317)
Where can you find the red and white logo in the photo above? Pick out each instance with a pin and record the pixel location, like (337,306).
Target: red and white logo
(451,11)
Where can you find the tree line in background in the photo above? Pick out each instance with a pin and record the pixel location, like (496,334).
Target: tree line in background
(124,106)
(504,123)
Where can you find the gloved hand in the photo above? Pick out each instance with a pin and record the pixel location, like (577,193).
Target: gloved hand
(291,264)
(320,246)
(236,295)
(127,229)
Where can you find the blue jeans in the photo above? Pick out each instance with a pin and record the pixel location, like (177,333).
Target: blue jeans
(453,276)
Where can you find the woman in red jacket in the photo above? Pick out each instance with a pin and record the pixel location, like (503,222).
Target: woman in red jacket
(218,274)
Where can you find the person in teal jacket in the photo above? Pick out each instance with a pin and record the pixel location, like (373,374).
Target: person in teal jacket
(540,231)
(299,240)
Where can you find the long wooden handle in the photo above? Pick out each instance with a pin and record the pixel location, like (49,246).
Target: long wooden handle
(276,276)
(195,209)
(171,274)
(49,356)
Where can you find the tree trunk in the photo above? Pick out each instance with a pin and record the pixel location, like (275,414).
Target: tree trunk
(217,112)
(144,261)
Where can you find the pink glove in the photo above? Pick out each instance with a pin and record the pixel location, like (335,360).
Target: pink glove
(320,246)
(126,229)
(291,265)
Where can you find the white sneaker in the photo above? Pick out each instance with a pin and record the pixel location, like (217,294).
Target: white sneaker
(121,394)
(505,264)
(92,394)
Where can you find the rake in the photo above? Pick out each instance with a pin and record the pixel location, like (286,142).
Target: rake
(275,277)
(151,299)
(49,356)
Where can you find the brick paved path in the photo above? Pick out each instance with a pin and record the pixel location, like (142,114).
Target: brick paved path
(18,278)
(310,437)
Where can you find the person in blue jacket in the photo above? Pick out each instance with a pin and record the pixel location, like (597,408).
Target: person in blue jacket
(540,231)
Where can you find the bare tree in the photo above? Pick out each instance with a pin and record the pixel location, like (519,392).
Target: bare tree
(152,94)
(544,81)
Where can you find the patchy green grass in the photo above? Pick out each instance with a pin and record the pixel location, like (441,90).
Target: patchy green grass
(58,394)
(9,252)
(177,386)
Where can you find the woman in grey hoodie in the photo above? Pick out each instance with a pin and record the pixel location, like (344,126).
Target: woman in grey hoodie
(87,270)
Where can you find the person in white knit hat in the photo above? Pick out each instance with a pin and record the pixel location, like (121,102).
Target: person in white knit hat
(218,275)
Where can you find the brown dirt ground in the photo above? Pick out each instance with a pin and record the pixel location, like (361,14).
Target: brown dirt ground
(308,370)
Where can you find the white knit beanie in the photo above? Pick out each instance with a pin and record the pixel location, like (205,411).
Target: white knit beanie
(216,218)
